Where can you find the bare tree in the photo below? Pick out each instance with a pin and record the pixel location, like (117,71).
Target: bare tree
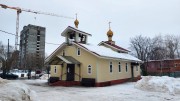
(14,59)
(157,48)
(6,60)
(141,46)
(178,47)
(30,63)
(172,43)
(34,62)
(3,56)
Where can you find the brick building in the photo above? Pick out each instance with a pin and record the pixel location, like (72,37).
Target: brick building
(169,67)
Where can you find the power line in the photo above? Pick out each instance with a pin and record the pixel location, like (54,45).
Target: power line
(7,32)
(52,43)
(19,36)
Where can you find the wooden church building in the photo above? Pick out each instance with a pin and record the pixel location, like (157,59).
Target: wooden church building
(77,62)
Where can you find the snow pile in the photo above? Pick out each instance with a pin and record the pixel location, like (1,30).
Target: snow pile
(2,81)
(44,77)
(159,84)
(15,91)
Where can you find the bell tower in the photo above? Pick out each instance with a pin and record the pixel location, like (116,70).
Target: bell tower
(73,34)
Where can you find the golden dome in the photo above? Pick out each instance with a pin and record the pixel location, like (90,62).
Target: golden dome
(76,22)
(109,33)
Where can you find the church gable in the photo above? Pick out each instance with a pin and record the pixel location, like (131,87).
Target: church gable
(74,50)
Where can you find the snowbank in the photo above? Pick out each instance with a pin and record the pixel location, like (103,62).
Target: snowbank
(15,91)
(159,84)
(44,77)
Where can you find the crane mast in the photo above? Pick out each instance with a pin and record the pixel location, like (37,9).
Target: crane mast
(17,29)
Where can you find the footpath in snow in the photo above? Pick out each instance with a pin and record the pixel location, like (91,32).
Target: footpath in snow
(159,84)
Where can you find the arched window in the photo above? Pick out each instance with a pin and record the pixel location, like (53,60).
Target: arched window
(55,69)
(110,67)
(78,51)
(89,69)
(126,67)
(119,66)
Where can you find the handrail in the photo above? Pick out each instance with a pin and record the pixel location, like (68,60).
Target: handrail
(78,75)
(62,75)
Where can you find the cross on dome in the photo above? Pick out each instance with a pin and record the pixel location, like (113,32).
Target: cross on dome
(109,25)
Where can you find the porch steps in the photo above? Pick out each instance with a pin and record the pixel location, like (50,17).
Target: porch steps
(65,83)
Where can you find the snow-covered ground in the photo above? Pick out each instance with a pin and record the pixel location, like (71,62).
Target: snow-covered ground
(131,91)
(15,91)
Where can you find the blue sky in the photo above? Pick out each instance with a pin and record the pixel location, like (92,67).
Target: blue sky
(129,18)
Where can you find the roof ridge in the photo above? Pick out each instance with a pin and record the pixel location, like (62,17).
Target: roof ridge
(116,46)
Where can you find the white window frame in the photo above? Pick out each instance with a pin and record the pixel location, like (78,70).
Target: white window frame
(119,66)
(89,66)
(78,50)
(110,67)
(55,70)
(126,67)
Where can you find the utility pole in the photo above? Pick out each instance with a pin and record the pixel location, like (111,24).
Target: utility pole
(8,55)
(8,51)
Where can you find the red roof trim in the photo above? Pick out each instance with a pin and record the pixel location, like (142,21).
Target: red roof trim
(115,46)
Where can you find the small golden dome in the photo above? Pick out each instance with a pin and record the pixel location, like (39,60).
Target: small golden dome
(109,33)
(76,22)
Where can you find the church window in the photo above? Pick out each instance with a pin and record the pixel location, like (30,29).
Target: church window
(110,67)
(78,51)
(55,69)
(89,69)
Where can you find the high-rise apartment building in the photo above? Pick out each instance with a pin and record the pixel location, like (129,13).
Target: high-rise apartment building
(32,47)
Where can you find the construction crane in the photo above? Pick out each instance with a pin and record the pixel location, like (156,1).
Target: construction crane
(19,10)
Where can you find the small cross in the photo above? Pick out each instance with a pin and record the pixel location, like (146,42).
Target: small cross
(76,15)
(109,25)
